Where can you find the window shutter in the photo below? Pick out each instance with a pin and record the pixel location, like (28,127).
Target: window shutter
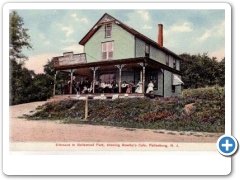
(104,47)
(110,55)
(104,55)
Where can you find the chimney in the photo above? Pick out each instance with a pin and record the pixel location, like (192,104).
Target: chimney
(160,34)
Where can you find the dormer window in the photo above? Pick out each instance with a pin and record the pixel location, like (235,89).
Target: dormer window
(108,30)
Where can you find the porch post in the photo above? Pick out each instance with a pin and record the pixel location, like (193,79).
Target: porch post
(94,77)
(143,79)
(143,75)
(120,76)
(54,83)
(71,82)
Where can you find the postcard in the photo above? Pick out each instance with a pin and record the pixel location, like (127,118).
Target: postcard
(107,85)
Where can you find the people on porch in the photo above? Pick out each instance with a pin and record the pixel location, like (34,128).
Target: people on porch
(87,83)
(86,86)
(107,87)
(101,86)
(90,89)
(124,86)
(81,85)
(114,86)
(85,90)
(150,87)
(139,87)
(132,87)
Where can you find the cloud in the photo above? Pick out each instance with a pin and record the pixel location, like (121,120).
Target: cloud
(74,16)
(67,30)
(217,31)
(185,27)
(36,62)
(144,15)
(84,20)
(147,27)
(205,36)
(75,48)
(219,54)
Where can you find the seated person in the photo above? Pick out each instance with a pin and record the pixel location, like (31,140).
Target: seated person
(101,86)
(90,88)
(81,85)
(132,87)
(85,90)
(139,87)
(97,86)
(124,86)
(108,87)
(114,86)
(150,87)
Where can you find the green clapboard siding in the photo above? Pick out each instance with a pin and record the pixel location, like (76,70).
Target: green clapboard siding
(140,48)
(157,55)
(124,44)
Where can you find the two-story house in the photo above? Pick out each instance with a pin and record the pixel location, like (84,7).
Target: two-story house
(113,50)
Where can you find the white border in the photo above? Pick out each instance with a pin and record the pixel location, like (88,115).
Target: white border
(114,163)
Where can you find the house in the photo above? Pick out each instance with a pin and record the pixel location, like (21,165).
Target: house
(113,50)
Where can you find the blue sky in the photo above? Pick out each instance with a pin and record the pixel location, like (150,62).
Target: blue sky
(53,32)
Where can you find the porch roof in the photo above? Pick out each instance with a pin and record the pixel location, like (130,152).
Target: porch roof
(130,62)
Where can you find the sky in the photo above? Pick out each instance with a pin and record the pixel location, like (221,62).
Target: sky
(54,32)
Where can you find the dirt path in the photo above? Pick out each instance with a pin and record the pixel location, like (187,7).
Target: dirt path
(22,130)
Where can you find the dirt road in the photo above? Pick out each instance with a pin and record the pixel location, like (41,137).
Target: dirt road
(22,130)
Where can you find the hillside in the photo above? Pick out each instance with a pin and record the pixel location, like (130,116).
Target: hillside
(197,110)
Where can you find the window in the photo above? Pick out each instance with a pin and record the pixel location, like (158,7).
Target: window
(108,30)
(147,50)
(167,59)
(173,88)
(174,63)
(107,50)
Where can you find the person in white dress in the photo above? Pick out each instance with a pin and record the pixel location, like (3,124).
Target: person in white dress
(139,87)
(150,87)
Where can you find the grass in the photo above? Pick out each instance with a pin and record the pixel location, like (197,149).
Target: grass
(207,114)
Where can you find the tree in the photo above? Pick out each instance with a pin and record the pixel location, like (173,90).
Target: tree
(61,76)
(201,70)
(20,77)
(25,85)
(41,88)
(18,37)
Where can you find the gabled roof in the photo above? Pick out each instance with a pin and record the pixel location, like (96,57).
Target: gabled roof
(132,31)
